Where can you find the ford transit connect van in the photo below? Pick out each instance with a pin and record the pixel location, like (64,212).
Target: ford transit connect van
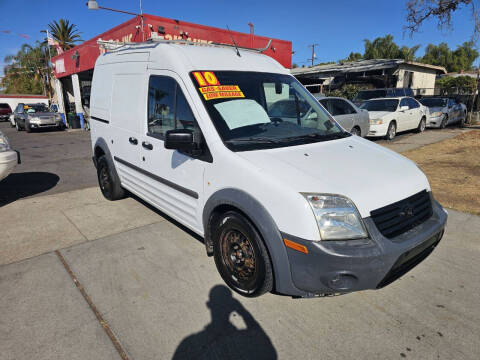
(291,204)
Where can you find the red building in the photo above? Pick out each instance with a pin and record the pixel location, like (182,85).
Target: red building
(74,68)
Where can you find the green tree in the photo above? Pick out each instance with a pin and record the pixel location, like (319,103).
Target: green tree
(26,71)
(454,61)
(65,33)
(386,48)
(456,85)
(354,56)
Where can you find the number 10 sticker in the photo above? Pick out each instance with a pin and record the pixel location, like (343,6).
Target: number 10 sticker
(206,78)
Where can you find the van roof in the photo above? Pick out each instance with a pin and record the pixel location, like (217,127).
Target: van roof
(185,57)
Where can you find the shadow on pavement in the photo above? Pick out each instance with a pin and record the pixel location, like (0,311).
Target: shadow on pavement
(223,340)
(167,217)
(20,185)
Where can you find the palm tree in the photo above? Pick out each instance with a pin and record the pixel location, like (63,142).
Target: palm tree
(27,71)
(65,33)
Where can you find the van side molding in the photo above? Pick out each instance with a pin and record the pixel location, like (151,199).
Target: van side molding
(264,223)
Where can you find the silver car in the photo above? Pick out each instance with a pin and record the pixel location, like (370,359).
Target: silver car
(443,111)
(36,116)
(347,114)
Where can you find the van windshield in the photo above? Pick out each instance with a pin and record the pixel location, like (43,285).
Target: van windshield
(252,110)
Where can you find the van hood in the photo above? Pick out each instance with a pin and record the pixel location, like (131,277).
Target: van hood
(369,174)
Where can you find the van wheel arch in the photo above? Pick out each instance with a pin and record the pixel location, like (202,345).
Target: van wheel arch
(231,199)
(101,149)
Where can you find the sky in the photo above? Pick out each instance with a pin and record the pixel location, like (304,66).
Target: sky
(338,26)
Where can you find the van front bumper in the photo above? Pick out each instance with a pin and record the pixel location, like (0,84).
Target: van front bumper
(333,267)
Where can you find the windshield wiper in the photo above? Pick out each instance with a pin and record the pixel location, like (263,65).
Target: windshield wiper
(253,140)
(315,136)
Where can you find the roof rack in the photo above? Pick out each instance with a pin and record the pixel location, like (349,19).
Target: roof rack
(111,45)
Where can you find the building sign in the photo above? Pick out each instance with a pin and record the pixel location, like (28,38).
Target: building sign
(82,57)
(59,66)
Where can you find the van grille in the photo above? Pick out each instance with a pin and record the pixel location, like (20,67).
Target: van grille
(397,218)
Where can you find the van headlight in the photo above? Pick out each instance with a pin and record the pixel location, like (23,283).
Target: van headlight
(436,114)
(337,217)
(376,121)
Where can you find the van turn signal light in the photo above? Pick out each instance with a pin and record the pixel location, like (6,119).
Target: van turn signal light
(295,246)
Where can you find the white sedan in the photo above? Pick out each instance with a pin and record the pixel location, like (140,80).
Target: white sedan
(391,115)
(8,157)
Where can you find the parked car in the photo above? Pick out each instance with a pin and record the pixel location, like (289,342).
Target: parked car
(391,115)
(12,119)
(5,111)
(36,116)
(364,95)
(297,208)
(347,114)
(8,157)
(443,111)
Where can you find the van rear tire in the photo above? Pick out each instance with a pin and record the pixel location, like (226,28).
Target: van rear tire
(241,256)
(111,189)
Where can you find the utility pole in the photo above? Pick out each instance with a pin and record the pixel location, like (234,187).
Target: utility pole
(313,52)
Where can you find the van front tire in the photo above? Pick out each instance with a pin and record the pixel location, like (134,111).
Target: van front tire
(111,189)
(240,256)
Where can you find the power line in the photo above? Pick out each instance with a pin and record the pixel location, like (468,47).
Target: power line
(313,52)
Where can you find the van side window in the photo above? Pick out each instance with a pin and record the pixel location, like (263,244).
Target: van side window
(168,108)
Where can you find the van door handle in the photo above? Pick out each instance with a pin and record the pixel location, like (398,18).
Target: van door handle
(133,141)
(147,145)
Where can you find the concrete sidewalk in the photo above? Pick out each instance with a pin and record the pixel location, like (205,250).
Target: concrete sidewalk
(43,224)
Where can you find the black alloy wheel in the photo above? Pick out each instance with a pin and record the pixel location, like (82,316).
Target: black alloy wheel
(241,257)
(111,189)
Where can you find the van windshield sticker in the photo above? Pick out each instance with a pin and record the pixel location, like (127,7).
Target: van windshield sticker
(221,92)
(206,78)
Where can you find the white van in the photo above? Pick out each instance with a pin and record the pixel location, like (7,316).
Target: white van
(290,205)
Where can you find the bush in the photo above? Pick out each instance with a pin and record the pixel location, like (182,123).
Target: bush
(348,91)
(456,85)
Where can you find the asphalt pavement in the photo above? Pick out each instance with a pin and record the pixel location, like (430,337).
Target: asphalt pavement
(52,162)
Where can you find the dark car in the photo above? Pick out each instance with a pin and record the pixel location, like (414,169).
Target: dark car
(36,116)
(5,111)
(364,95)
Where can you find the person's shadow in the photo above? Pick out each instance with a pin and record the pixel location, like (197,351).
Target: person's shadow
(221,339)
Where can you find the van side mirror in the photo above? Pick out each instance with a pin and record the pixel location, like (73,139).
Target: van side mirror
(180,139)
(404,108)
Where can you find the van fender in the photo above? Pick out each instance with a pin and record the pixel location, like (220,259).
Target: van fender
(102,144)
(263,221)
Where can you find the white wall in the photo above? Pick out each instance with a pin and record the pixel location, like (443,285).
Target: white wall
(13,102)
(423,79)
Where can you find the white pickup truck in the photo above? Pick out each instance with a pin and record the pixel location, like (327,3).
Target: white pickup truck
(286,204)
